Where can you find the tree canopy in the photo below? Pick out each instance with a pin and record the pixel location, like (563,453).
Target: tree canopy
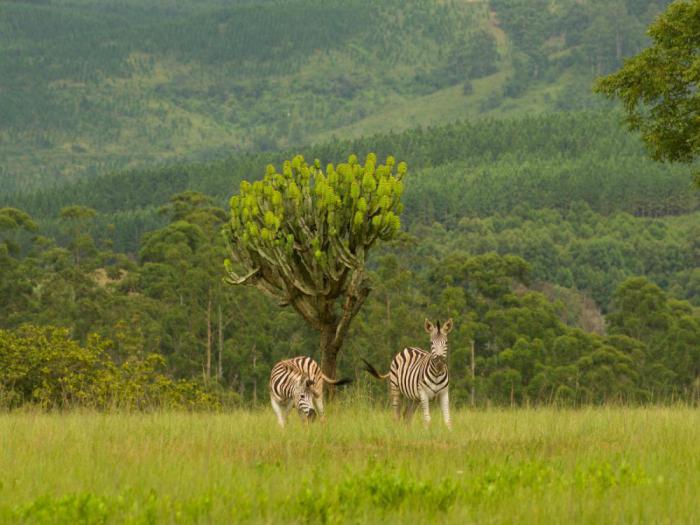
(659,86)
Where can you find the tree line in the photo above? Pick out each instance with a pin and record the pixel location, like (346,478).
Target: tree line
(520,337)
(471,168)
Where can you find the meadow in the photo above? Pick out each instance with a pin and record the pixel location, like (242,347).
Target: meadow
(545,465)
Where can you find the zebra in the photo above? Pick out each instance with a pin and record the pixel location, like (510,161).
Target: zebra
(299,381)
(420,375)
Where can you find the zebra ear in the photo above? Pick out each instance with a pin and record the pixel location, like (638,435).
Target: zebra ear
(429,326)
(447,327)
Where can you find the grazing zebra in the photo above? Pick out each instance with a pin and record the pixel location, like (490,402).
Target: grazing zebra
(420,375)
(299,381)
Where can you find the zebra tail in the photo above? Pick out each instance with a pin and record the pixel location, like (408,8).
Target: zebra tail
(336,382)
(373,371)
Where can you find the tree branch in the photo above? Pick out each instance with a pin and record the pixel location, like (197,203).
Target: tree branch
(357,292)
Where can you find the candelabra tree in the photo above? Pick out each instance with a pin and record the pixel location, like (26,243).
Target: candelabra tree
(302,236)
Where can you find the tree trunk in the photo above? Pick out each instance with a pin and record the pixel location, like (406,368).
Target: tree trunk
(329,347)
(220,367)
(334,326)
(209,340)
(473,363)
(255,378)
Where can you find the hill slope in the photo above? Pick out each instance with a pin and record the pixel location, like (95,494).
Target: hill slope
(88,87)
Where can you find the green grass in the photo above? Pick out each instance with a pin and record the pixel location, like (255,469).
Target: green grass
(608,465)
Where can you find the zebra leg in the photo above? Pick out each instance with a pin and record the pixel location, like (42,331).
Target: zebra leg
(279,411)
(425,405)
(288,408)
(410,409)
(395,400)
(444,398)
(318,406)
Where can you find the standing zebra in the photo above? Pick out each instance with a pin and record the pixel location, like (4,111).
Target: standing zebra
(420,375)
(299,381)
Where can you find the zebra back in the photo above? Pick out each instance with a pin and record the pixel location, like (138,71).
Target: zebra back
(284,377)
(289,382)
(307,366)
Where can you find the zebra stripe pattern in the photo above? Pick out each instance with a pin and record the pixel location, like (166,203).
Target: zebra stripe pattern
(420,376)
(299,381)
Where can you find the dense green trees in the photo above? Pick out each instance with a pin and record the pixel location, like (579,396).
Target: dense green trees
(15,287)
(565,257)
(182,265)
(521,230)
(527,348)
(668,329)
(658,87)
(464,169)
(588,37)
(534,341)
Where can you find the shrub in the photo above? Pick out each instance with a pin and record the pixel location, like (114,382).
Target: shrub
(43,366)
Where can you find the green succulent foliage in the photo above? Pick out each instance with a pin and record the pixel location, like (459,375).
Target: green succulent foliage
(308,226)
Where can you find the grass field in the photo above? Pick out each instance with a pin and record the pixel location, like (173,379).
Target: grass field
(608,465)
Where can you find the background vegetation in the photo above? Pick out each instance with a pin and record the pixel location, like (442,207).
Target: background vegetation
(568,259)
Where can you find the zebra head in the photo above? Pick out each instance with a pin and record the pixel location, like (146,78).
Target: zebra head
(438,339)
(303,397)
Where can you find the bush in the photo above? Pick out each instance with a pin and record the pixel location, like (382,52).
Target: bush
(43,366)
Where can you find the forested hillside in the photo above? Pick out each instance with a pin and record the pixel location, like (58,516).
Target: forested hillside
(467,169)
(569,261)
(551,297)
(89,87)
